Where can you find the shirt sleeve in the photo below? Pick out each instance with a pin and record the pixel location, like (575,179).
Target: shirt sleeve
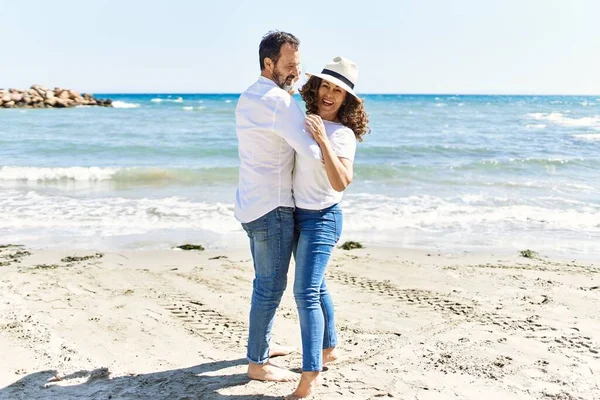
(343,142)
(288,123)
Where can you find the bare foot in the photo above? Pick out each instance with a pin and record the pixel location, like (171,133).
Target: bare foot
(329,355)
(270,372)
(307,385)
(277,351)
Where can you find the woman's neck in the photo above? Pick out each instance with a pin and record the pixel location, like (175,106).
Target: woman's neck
(334,119)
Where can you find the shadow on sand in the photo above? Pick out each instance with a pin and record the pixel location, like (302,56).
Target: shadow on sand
(180,384)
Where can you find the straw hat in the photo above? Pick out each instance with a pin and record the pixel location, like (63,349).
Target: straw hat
(341,72)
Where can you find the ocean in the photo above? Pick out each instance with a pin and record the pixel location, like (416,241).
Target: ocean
(444,173)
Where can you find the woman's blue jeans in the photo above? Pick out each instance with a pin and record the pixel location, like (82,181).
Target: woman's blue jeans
(316,234)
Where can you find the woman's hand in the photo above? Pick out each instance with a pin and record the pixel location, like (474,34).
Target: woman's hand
(315,126)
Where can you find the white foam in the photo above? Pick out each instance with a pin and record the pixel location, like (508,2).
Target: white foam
(369,213)
(227,101)
(122,104)
(588,137)
(562,120)
(535,126)
(110,216)
(54,174)
(188,108)
(159,100)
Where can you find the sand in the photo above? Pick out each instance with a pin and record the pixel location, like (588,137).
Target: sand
(412,325)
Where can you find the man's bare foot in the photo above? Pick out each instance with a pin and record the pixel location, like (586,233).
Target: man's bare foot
(277,351)
(307,385)
(270,372)
(329,355)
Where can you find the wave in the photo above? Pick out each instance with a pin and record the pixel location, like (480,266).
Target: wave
(562,120)
(160,100)
(123,104)
(588,137)
(52,217)
(124,176)
(56,174)
(191,108)
(368,212)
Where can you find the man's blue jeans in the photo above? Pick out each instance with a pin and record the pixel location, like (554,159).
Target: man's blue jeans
(317,232)
(271,243)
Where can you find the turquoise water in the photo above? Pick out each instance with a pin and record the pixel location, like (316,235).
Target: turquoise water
(444,172)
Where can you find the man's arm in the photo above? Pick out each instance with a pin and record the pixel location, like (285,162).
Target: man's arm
(288,123)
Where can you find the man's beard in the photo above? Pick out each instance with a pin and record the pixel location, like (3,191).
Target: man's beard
(286,83)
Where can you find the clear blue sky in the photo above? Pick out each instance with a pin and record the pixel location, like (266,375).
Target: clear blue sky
(416,46)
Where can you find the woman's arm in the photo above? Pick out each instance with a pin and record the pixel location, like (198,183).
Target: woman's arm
(339,170)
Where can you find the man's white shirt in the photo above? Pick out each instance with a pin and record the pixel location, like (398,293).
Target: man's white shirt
(270,127)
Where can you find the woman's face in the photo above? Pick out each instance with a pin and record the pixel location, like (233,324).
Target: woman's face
(331,98)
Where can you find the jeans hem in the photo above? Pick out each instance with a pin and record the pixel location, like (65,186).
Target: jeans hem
(257,363)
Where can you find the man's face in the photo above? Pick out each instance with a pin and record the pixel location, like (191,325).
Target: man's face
(287,69)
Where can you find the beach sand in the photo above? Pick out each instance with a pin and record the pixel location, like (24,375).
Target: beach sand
(412,325)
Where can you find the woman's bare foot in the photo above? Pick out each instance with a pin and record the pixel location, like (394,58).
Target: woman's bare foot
(277,351)
(329,355)
(270,372)
(307,385)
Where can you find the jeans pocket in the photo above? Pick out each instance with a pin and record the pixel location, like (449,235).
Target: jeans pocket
(339,222)
(257,229)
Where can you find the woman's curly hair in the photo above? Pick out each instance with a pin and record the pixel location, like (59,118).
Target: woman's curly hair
(351,114)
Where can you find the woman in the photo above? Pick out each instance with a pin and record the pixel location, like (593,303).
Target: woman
(336,119)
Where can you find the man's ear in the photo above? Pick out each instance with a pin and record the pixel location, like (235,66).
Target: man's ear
(269,64)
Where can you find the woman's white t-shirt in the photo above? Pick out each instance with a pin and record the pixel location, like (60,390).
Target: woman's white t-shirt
(312,190)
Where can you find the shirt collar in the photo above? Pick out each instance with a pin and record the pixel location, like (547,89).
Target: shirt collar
(268,81)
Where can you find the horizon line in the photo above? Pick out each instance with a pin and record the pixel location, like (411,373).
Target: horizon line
(364,94)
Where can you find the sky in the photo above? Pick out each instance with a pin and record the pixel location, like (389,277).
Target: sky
(401,46)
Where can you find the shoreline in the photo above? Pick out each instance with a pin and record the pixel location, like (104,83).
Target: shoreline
(172,324)
(416,252)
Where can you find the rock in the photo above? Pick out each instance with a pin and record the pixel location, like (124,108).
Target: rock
(41,92)
(17,97)
(64,103)
(38,96)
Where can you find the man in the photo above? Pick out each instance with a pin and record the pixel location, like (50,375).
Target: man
(269,126)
